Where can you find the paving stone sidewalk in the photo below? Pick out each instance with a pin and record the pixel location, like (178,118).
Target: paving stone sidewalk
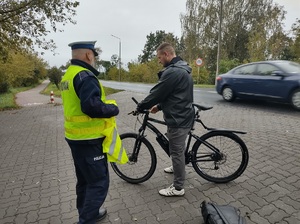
(32,97)
(37,180)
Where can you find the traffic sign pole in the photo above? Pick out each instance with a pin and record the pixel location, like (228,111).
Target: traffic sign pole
(199,62)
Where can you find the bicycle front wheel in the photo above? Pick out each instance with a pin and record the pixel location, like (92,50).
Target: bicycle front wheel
(141,164)
(222,167)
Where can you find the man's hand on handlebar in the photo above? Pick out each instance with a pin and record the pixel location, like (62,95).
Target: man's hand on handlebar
(154,109)
(140,110)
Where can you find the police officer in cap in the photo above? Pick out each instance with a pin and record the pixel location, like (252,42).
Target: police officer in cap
(84,112)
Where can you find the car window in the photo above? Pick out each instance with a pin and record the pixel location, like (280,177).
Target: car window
(290,67)
(245,70)
(266,69)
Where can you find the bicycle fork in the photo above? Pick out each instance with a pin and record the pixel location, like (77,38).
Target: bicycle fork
(136,149)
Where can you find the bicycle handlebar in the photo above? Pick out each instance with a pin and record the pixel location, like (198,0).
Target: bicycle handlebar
(135,100)
(135,113)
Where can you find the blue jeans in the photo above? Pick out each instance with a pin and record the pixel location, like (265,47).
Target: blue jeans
(92,180)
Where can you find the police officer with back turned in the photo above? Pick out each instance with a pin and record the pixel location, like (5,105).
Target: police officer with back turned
(85,111)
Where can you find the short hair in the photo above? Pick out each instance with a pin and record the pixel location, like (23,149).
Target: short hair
(166,47)
(79,53)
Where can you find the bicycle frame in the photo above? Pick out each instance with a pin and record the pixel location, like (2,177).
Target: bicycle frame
(191,135)
(208,152)
(164,143)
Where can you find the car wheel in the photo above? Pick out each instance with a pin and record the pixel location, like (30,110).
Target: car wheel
(228,94)
(295,99)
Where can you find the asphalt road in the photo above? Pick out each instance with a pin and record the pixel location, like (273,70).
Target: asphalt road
(202,95)
(205,96)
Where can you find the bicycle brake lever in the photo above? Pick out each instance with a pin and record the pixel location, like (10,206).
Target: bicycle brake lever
(134,113)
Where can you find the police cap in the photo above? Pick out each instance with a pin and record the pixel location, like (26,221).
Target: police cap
(84,45)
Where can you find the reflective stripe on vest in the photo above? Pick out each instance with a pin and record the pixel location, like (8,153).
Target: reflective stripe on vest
(112,144)
(78,126)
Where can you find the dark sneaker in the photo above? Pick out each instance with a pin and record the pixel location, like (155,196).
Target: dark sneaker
(102,214)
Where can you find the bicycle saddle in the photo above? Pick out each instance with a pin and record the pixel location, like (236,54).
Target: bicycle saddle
(200,107)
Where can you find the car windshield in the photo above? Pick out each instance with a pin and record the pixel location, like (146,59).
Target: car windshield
(290,67)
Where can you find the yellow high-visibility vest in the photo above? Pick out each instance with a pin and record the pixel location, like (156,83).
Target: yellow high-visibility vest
(112,144)
(79,126)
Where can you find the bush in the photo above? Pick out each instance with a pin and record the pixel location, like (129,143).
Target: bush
(4,86)
(226,65)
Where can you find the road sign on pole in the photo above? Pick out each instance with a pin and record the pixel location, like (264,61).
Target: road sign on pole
(199,62)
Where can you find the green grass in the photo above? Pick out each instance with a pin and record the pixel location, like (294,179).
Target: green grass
(7,100)
(109,91)
(51,87)
(205,86)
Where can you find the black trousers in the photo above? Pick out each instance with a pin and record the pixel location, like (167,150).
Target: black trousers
(92,179)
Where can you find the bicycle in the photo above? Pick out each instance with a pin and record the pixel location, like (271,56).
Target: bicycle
(218,156)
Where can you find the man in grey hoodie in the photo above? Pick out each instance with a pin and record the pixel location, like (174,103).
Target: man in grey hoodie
(173,94)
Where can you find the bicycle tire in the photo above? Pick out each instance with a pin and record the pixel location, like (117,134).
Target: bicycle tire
(141,170)
(231,166)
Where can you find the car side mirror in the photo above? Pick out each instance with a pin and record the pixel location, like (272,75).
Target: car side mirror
(277,73)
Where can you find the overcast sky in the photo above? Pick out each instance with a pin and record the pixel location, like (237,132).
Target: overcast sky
(130,20)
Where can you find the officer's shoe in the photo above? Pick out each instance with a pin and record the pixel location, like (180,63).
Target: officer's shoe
(102,214)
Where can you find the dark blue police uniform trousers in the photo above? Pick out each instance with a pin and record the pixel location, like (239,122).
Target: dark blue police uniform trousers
(92,179)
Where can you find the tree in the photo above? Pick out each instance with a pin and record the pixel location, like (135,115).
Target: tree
(23,23)
(250,29)
(154,40)
(22,69)
(144,72)
(55,76)
(113,73)
(39,70)
(107,65)
(295,48)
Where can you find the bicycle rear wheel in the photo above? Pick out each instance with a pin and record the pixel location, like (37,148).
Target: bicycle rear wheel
(224,167)
(141,166)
